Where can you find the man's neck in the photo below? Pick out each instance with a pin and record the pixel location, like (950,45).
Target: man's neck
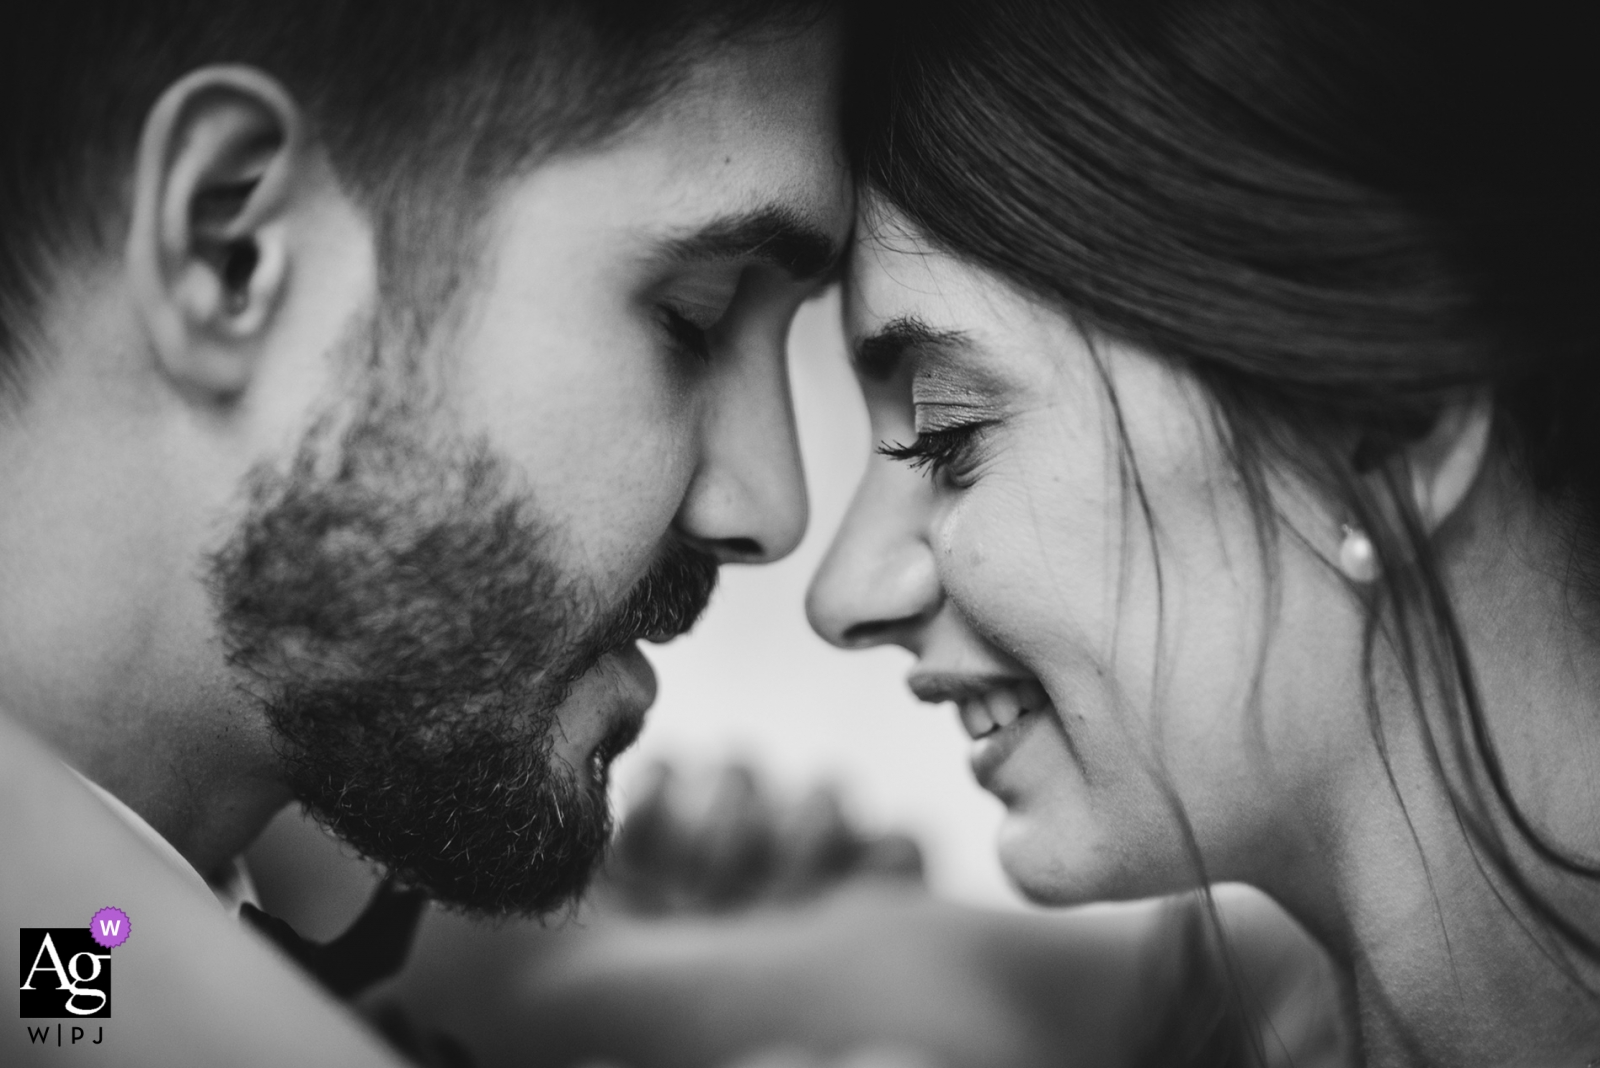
(207,821)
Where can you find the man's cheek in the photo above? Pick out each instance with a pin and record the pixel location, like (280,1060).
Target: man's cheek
(621,517)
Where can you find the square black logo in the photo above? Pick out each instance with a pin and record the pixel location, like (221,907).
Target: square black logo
(66,974)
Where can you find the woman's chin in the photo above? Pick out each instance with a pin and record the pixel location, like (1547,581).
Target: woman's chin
(1053,863)
(1047,866)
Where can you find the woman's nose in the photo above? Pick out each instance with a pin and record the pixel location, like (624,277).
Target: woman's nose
(878,583)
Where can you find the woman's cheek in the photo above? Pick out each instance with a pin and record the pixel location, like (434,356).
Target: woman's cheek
(961,551)
(990,567)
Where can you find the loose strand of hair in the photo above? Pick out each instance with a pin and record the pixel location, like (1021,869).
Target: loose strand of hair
(1130,476)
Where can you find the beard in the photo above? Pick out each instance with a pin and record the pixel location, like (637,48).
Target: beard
(406,622)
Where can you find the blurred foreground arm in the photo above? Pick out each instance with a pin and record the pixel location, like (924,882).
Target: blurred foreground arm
(734,930)
(191,987)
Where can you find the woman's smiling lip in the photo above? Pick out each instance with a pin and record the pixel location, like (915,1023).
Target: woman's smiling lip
(990,752)
(997,711)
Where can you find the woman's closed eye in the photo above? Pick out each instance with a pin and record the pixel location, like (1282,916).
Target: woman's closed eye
(943,451)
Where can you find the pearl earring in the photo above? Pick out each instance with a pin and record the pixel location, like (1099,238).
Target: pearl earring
(1357,558)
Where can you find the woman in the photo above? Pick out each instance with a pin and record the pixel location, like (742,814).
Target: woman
(1235,365)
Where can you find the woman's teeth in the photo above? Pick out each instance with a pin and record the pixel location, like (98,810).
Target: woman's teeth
(999,708)
(1004,707)
(975,717)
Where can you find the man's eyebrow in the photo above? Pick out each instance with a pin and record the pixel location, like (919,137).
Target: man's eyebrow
(773,235)
(879,354)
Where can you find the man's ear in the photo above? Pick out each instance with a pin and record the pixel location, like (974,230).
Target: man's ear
(1446,461)
(207,257)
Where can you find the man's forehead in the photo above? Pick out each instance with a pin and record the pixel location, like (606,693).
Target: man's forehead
(745,165)
(770,192)
(762,120)
(797,70)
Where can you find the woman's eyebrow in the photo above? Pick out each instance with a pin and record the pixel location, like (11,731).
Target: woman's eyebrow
(878,355)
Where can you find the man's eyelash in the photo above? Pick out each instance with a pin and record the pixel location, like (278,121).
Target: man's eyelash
(935,450)
(692,339)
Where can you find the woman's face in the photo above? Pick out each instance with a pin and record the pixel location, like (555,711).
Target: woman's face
(1108,662)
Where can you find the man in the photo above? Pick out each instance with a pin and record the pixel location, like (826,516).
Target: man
(374,378)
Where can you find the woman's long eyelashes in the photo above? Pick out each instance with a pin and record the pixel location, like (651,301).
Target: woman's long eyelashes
(686,335)
(946,451)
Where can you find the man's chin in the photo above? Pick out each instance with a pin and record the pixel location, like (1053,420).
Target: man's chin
(601,716)
(480,812)
(539,868)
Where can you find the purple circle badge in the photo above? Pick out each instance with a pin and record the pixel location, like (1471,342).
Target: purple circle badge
(109,927)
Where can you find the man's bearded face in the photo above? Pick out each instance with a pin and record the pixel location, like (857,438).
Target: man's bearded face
(411,628)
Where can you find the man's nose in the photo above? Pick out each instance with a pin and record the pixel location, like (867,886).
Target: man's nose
(878,583)
(747,501)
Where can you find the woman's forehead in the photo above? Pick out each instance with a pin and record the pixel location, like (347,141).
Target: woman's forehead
(903,297)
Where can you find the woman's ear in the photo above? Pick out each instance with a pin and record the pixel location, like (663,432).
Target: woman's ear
(207,255)
(1446,461)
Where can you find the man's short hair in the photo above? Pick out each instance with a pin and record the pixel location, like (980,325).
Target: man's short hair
(423,106)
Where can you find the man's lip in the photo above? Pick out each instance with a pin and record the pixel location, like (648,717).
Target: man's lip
(636,670)
(632,680)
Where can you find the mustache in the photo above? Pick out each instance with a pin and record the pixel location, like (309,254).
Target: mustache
(665,603)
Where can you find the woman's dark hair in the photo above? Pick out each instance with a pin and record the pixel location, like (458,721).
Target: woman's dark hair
(1337,215)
